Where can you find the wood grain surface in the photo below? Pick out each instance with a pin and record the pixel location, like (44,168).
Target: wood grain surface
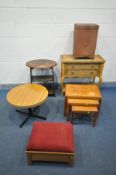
(27,95)
(83,91)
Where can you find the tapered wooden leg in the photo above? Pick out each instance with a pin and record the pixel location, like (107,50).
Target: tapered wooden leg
(68,111)
(99,105)
(95,119)
(100,80)
(71,117)
(71,161)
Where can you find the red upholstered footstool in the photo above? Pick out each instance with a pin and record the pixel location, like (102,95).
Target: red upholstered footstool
(50,141)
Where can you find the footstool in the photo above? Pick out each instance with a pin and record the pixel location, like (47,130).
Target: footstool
(51,141)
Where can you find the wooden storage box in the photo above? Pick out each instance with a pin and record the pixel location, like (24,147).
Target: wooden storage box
(85,39)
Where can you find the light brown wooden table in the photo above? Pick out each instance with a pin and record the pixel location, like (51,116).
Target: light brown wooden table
(72,67)
(27,96)
(80,91)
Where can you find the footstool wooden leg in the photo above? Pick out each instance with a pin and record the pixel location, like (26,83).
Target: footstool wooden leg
(29,158)
(71,117)
(95,119)
(99,106)
(71,161)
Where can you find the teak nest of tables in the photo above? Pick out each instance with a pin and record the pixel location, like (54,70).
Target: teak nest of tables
(82,99)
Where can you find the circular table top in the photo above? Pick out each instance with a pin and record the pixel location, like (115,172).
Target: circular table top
(41,64)
(27,95)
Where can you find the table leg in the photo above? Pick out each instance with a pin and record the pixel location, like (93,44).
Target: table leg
(31,75)
(95,119)
(65,106)
(62,85)
(100,100)
(24,121)
(30,114)
(53,81)
(94,79)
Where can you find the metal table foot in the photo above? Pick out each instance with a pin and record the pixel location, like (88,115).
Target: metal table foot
(30,114)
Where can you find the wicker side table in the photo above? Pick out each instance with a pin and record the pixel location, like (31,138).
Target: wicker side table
(43,64)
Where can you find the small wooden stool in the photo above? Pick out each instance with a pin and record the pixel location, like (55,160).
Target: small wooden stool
(85,109)
(50,141)
(80,102)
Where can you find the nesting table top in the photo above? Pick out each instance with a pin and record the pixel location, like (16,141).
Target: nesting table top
(82,91)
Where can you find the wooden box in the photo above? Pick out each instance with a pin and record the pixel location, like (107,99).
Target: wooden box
(85,39)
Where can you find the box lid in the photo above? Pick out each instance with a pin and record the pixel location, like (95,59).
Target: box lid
(86,25)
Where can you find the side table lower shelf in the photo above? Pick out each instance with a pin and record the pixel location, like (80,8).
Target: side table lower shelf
(47,81)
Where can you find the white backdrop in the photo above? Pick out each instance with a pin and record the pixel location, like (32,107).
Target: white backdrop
(31,29)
